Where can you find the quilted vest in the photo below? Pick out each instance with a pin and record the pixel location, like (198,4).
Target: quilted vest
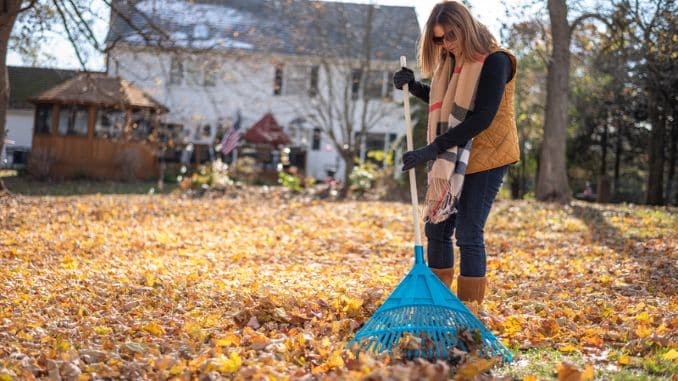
(498,145)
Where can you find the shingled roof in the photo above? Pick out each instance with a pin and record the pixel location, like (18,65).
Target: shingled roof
(98,89)
(25,82)
(299,27)
(267,131)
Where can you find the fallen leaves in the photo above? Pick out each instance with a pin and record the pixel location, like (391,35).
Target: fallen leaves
(569,372)
(159,287)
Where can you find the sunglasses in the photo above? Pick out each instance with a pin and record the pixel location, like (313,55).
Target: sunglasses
(441,40)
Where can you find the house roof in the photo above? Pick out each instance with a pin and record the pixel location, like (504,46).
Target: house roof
(267,131)
(99,89)
(299,27)
(25,82)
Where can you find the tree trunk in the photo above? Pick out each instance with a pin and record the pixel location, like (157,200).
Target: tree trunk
(655,191)
(617,157)
(603,181)
(7,19)
(523,169)
(552,182)
(349,162)
(672,158)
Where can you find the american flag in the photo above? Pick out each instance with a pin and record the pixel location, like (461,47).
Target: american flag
(232,137)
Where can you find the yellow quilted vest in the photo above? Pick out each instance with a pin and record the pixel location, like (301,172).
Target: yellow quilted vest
(498,145)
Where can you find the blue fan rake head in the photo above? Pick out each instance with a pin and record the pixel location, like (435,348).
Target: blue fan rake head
(422,307)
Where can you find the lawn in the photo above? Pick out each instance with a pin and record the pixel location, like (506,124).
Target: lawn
(160,287)
(25,185)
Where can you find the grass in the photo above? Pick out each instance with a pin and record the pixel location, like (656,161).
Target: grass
(541,363)
(26,186)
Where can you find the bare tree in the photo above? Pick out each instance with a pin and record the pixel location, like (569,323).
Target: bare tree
(74,19)
(343,108)
(552,182)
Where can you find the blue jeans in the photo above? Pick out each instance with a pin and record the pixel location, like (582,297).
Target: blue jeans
(477,196)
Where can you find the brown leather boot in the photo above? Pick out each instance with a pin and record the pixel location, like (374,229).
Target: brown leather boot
(471,291)
(445,275)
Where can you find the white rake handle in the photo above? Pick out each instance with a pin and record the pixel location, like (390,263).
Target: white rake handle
(410,147)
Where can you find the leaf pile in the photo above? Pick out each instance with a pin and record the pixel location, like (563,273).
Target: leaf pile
(161,287)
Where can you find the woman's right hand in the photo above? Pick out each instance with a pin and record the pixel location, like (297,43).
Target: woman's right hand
(402,77)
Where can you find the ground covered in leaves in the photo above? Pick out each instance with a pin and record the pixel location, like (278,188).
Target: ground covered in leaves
(162,287)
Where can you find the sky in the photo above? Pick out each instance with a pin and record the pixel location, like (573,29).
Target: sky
(492,12)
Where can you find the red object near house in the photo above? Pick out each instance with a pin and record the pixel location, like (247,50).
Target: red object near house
(267,131)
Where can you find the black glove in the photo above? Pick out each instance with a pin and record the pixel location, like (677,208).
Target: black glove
(403,76)
(419,156)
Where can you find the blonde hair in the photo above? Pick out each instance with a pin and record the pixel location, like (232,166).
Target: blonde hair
(474,38)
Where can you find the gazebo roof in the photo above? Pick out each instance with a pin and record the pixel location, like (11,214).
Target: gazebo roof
(267,131)
(99,89)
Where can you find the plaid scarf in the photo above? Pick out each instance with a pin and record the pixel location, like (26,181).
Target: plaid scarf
(451,98)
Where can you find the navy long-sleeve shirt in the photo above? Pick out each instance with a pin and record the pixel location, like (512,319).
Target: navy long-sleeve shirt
(496,72)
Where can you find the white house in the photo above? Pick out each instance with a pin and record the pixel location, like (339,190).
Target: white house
(25,82)
(208,60)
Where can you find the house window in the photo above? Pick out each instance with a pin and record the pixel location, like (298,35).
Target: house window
(375,84)
(374,141)
(43,119)
(201,31)
(356,75)
(176,71)
(278,82)
(109,124)
(141,124)
(316,139)
(73,121)
(297,80)
(313,90)
(202,132)
(194,69)
(210,78)
(391,139)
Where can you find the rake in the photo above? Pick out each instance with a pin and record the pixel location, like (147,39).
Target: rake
(422,318)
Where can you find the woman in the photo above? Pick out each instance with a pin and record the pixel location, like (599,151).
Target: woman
(472,138)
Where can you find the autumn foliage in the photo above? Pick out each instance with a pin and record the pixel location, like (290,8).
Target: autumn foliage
(162,287)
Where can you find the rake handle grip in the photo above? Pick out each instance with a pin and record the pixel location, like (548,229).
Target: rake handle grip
(410,147)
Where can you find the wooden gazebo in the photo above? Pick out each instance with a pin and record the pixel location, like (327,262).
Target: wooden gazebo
(95,126)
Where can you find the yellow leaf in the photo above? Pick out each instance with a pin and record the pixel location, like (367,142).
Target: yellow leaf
(593,340)
(228,341)
(176,369)
(588,373)
(643,331)
(567,348)
(100,330)
(624,360)
(154,329)
(224,364)
(150,279)
(643,318)
(671,355)
(530,378)
(568,372)
(475,367)
(335,360)
(63,346)
(194,330)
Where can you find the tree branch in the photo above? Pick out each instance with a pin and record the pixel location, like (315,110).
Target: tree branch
(85,25)
(585,16)
(68,33)
(29,6)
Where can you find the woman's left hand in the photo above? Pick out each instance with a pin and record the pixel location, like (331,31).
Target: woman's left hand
(419,156)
